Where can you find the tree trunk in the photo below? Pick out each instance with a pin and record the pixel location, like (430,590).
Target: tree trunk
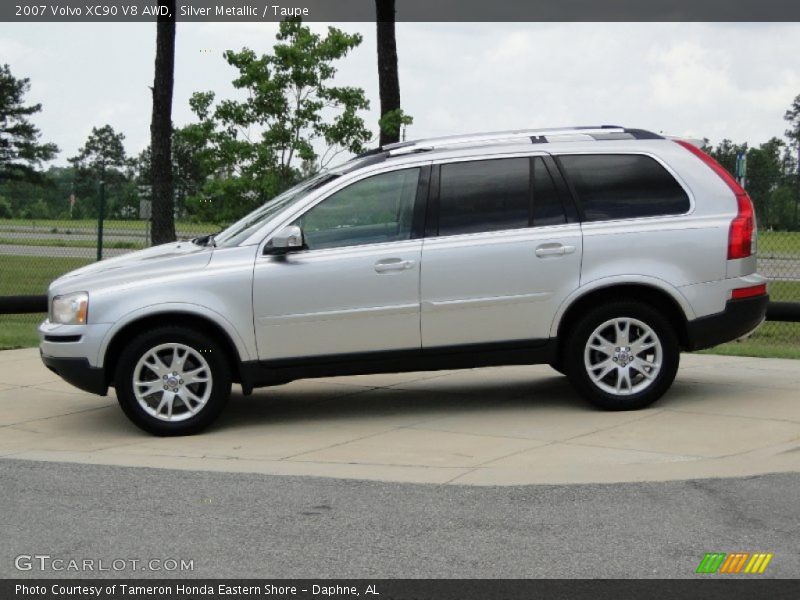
(163,209)
(388,80)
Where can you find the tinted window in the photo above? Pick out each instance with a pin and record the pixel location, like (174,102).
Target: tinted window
(547,207)
(484,195)
(371,211)
(623,186)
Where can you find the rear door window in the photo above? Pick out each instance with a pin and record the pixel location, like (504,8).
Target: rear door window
(484,195)
(623,186)
(498,194)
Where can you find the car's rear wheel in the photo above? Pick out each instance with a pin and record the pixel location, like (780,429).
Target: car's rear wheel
(622,356)
(172,381)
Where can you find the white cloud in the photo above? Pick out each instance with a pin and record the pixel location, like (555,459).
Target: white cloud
(714,80)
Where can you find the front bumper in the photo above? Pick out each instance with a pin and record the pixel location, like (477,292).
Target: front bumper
(79,373)
(739,318)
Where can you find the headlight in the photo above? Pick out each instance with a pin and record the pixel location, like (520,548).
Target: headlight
(70,309)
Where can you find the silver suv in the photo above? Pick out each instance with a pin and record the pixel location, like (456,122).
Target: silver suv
(603,251)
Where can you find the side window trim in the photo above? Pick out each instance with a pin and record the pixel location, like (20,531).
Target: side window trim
(419,218)
(432,203)
(569,199)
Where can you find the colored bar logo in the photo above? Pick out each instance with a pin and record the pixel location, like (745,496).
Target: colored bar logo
(734,563)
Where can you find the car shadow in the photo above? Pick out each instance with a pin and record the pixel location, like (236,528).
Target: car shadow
(329,400)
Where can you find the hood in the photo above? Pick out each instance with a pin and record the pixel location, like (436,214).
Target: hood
(134,267)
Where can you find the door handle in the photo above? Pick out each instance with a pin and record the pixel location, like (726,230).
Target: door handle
(389,265)
(553,250)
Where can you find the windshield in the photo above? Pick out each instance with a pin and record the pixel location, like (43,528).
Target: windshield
(245,227)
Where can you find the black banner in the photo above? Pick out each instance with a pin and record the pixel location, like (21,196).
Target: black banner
(399,589)
(407,10)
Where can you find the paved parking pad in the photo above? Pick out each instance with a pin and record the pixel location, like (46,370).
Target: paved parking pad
(724,417)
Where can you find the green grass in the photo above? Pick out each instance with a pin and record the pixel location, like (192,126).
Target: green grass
(65,226)
(784,291)
(61,243)
(24,275)
(19,331)
(778,243)
(28,275)
(771,340)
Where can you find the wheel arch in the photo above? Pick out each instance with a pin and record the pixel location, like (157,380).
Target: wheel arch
(125,331)
(668,301)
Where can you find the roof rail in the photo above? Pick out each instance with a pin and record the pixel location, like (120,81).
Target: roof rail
(533,135)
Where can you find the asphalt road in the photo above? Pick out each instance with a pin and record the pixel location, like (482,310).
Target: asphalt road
(243,525)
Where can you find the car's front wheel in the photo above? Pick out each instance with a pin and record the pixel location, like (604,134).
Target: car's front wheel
(622,356)
(172,381)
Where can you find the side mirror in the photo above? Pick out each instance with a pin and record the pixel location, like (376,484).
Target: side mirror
(286,240)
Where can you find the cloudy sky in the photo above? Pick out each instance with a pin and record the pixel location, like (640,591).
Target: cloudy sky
(703,80)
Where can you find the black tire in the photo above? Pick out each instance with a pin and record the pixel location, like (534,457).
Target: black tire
(652,387)
(206,348)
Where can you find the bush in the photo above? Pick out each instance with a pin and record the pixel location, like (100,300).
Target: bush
(5,208)
(39,210)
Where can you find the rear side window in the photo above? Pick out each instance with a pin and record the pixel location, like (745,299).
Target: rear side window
(623,186)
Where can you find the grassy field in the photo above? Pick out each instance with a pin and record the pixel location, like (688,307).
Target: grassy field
(778,243)
(63,243)
(28,275)
(771,340)
(63,226)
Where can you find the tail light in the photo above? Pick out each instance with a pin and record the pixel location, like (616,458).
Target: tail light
(743,226)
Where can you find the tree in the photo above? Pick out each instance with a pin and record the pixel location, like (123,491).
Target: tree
(388,78)
(252,148)
(764,173)
(20,151)
(793,133)
(163,208)
(104,149)
(103,159)
(726,153)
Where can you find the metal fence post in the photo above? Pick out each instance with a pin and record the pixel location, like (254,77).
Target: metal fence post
(101,213)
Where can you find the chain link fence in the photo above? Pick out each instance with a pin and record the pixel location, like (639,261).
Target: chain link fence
(34,252)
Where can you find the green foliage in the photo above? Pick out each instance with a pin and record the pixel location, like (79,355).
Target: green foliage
(38,210)
(770,177)
(21,154)
(394,120)
(5,208)
(104,149)
(792,116)
(247,151)
(103,159)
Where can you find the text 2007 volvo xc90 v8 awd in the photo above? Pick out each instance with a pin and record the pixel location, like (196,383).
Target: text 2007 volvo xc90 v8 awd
(602,251)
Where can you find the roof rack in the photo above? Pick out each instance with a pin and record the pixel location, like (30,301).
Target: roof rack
(535,136)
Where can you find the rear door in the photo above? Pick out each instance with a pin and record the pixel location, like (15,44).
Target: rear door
(502,251)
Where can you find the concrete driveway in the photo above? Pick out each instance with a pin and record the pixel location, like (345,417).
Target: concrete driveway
(724,417)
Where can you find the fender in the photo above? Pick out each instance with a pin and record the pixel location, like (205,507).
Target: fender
(177,307)
(605,282)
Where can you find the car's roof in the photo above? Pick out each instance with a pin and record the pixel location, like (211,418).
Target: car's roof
(523,141)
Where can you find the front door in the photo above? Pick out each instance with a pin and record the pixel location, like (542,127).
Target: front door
(355,289)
